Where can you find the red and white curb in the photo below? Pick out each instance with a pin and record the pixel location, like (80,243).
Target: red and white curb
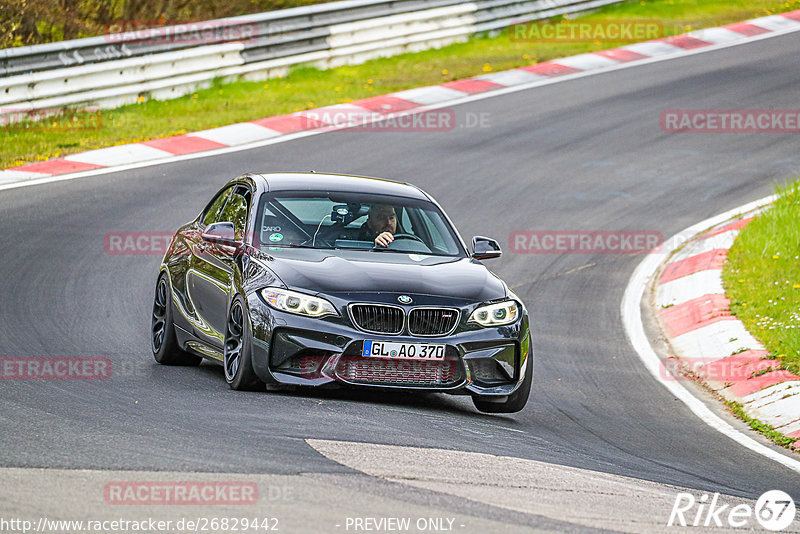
(713,344)
(634,305)
(247,133)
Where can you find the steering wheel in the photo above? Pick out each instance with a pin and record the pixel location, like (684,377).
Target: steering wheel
(408,236)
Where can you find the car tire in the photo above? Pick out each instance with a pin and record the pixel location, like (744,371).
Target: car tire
(514,402)
(163,341)
(237,360)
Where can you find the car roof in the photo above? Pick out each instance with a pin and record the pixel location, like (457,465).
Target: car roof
(311,181)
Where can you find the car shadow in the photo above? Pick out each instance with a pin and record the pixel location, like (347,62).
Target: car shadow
(442,403)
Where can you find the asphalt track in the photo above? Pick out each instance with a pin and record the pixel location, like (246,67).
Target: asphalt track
(582,154)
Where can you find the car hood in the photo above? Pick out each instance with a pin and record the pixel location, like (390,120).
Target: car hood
(343,272)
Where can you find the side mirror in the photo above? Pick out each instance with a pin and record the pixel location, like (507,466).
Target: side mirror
(221,233)
(484,248)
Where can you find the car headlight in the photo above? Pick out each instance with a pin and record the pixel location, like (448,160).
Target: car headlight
(505,312)
(298,303)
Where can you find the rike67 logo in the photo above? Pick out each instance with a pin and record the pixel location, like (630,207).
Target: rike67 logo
(774,510)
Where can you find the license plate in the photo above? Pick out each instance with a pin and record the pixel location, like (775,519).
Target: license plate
(408,351)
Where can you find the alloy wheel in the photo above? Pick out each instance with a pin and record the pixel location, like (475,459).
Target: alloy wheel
(159,315)
(233,341)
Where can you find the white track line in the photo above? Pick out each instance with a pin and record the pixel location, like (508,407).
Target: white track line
(632,320)
(458,101)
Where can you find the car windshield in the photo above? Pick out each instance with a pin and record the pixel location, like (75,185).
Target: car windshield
(334,220)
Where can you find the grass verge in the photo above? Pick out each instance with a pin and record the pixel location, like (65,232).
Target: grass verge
(766,430)
(307,88)
(762,278)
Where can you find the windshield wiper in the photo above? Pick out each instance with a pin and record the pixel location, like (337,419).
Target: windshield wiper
(374,249)
(351,248)
(293,245)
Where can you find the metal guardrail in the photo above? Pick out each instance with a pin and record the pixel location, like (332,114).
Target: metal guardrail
(303,29)
(497,14)
(88,72)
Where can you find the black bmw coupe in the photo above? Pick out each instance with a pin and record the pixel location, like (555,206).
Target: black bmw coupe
(310,279)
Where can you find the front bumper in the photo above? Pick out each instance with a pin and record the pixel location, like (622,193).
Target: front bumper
(291,349)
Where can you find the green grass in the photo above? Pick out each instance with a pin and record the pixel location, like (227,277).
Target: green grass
(762,278)
(306,87)
(767,430)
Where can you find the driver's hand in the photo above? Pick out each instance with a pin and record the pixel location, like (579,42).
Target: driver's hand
(384,239)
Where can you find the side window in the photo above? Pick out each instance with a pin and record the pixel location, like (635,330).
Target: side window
(236,209)
(211,215)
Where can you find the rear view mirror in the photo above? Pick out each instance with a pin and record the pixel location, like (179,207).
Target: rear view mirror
(484,248)
(339,212)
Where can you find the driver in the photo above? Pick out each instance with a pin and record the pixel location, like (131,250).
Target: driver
(380,226)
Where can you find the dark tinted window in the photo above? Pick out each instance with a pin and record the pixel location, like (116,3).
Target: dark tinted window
(211,215)
(235,211)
